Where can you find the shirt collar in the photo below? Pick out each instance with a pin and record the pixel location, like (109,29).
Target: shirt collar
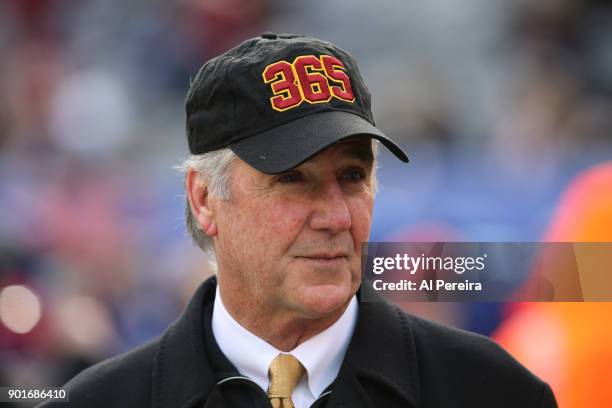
(252,356)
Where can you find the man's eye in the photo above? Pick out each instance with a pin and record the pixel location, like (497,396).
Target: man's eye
(290,178)
(354,175)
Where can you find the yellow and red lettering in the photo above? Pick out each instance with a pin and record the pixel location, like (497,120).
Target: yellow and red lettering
(334,69)
(309,78)
(314,85)
(286,93)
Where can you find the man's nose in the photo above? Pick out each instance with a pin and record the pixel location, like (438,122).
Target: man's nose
(331,210)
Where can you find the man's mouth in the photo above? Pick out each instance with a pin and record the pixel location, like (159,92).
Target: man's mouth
(324,257)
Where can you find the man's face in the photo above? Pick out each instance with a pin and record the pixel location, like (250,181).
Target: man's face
(292,242)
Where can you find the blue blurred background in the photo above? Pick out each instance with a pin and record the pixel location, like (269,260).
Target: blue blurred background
(498,103)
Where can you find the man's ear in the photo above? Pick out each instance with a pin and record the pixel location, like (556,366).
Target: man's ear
(200,203)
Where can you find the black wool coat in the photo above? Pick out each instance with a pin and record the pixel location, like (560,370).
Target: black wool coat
(394,360)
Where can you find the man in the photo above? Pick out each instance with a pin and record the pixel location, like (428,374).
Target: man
(281,186)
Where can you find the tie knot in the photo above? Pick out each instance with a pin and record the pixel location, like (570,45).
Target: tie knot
(285,372)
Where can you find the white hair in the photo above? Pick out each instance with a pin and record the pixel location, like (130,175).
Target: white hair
(215,170)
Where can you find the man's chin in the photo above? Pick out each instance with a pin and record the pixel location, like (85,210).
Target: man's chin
(320,301)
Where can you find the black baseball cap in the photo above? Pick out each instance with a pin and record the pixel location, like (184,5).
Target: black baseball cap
(277,100)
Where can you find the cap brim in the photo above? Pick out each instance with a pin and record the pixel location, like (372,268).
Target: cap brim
(289,145)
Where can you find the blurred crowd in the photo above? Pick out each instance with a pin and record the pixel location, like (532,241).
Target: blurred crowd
(500,104)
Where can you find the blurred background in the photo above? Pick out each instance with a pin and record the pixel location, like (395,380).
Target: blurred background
(505,108)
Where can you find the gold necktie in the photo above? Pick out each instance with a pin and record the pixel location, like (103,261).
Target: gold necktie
(285,372)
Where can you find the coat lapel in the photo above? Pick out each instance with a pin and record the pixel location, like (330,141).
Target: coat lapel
(182,376)
(347,391)
(381,359)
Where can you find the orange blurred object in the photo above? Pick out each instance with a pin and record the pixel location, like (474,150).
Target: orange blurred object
(584,213)
(569,345)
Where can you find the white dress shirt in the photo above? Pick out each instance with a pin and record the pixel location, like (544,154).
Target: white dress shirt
(320,355)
